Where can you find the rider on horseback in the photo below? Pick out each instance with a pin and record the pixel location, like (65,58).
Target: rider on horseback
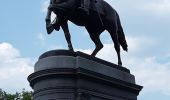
(84,7)
(55,25)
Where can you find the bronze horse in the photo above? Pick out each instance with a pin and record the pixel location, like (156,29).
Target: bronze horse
(95,22)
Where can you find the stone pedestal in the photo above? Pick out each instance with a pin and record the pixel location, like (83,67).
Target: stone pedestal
(66,75)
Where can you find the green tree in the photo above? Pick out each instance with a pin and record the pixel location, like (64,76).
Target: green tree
(24,95)
(10,96)
(1,95)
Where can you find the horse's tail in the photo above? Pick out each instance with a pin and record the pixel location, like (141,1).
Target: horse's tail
(121,36)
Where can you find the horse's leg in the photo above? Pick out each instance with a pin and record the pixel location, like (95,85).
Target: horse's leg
(98,44)
(94,35)
(64,26)
(114,35)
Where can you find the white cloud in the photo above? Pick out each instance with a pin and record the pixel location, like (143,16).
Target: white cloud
(150,73)
(139,44)
(7,51)
(159,7)
(14,69)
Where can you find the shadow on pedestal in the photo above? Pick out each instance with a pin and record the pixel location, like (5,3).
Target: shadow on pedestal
(66,75)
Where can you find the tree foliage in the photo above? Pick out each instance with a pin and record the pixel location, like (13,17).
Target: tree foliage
(24,95)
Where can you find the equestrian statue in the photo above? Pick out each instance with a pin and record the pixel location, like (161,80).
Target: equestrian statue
(95,15)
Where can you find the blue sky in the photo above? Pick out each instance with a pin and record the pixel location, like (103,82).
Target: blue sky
(146,24)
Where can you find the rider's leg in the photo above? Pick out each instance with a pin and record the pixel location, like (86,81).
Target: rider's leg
(85,5)
(82,3)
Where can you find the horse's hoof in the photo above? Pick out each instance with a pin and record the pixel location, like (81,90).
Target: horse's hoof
(119,64)
(93,54)
(49,29)
(71,49)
